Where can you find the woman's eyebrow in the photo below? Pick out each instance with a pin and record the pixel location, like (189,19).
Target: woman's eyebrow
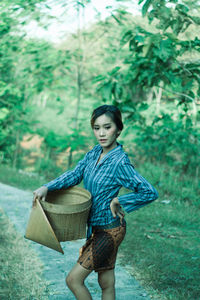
(106,124)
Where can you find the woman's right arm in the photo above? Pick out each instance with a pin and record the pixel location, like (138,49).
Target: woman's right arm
(67,179)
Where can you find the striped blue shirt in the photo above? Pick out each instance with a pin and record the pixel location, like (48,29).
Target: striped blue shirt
(104,180)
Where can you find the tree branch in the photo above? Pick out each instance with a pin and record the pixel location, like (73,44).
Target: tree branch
(180,94)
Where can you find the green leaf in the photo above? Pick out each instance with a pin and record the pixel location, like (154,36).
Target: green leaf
(182,8)
(3,113)
(114,71)
(116,19)
(80,3)
(195,19)
(146,7)
(140,1)
(132,44)
(143,106)
(107,91)
(139,38)
(98,78)
(166,50)
(117,90)
(126,37)
(127,108)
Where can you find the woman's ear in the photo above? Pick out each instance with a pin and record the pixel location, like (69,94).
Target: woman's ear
(118,133)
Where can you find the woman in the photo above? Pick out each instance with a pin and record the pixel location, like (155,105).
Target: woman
(104,169)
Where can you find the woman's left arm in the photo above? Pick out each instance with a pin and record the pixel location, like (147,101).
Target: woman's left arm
(143,192)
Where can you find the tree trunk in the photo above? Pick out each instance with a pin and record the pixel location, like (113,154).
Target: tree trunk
(70,158)
(158,98)
(16,152)
(79,77)
(78,97)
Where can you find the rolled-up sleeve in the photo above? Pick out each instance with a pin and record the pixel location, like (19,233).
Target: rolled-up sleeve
(69,178)
(143,192)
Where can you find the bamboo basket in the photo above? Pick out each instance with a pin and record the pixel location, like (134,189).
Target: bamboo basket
(67,211)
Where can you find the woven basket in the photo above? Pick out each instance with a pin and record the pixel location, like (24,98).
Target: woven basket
(67,211)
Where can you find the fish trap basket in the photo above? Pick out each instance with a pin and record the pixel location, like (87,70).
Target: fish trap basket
(67,211)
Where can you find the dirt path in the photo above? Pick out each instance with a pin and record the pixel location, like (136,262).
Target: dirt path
(17,205)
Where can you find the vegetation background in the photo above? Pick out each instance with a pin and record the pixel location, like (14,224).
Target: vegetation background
(146,63)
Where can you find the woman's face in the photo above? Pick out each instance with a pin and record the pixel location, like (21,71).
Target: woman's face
(106,132)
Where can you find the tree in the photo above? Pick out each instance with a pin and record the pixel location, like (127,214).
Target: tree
(159,61)
(155,58)
(13,16)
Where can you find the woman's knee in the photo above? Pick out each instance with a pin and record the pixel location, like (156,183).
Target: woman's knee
(69,280)
(76,276)
(72,281)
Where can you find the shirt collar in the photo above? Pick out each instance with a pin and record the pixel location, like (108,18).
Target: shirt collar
(111,153)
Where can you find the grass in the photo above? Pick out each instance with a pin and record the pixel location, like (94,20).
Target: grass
(163,251)
(162,245)
(20,179)
(20,268)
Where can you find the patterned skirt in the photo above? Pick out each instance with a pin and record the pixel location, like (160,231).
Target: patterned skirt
(100,250)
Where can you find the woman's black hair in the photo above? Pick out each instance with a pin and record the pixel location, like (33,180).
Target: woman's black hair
(111,111)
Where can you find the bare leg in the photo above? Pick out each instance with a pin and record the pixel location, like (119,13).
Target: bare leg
(75,282)
(106,281)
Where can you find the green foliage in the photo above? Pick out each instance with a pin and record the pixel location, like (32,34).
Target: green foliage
(153,60)
(155,56)
(20,179)
(159,59)
(28,68)
(172,141)
(171,183)
(12,87)
(49,168)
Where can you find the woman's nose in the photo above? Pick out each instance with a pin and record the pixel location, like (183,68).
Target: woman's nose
(102,132)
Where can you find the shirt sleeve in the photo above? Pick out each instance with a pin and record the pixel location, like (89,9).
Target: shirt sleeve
(69,178)
(143,192)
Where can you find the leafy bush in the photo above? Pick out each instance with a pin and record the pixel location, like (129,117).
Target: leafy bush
(49,168)
(172,141)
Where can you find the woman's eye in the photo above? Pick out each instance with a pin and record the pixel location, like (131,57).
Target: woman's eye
(96,128)
(108,127)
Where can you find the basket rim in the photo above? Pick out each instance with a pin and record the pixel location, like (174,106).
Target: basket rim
(66,209)
(73,190)
(70,208)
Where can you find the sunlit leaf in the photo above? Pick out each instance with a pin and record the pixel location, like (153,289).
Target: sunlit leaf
(146,6)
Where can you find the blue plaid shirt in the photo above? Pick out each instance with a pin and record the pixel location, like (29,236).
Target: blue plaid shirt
(104,180)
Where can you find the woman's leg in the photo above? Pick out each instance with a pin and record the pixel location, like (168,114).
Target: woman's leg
(75,282)
(106,281)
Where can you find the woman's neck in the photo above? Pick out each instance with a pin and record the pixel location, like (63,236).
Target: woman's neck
(108,149)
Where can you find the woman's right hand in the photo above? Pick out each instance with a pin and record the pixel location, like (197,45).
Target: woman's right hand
(116,209)
(40,194)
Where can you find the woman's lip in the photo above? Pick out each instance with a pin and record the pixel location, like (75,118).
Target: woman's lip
(103,140)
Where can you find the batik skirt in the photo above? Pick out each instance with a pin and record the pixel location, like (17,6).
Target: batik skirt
(100,250)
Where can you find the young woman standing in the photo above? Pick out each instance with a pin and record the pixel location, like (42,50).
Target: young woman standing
(104,169)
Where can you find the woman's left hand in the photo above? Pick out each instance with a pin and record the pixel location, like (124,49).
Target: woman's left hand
(116,209)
